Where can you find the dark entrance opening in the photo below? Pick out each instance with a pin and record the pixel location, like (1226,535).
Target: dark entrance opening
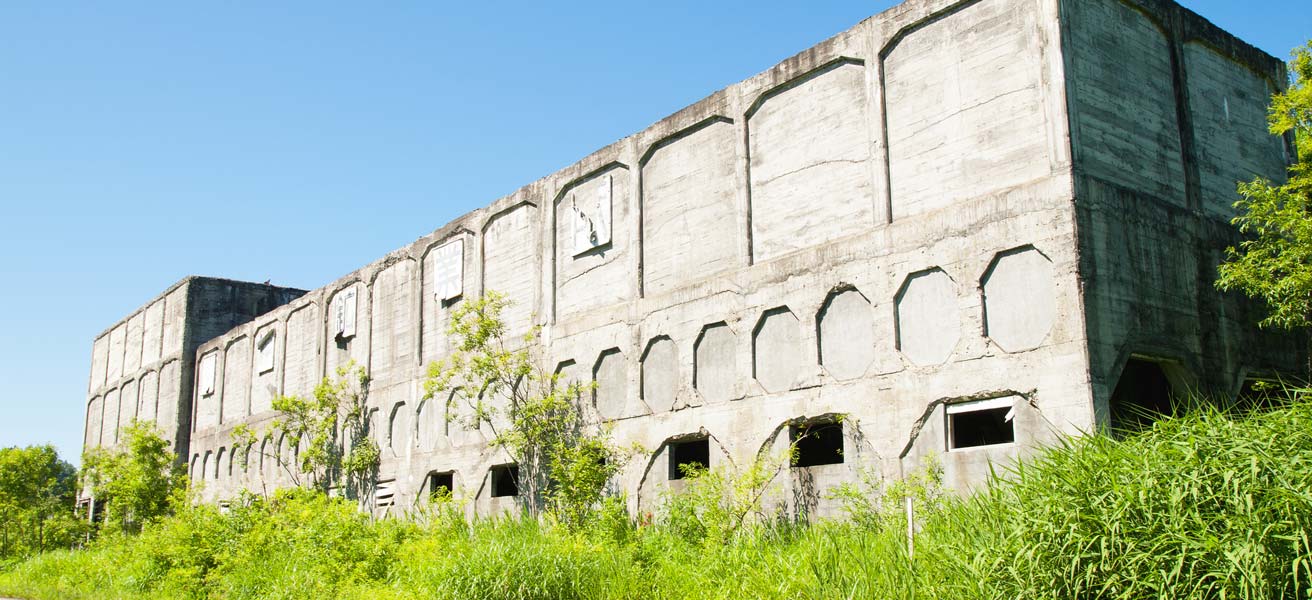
(688,455)
(505,481)
(441,485)
(817,444)
(1142,396)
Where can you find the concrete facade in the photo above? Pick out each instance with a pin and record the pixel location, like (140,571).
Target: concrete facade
(955,226)
(143,367)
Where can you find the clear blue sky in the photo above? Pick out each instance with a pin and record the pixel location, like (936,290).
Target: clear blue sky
(140,143)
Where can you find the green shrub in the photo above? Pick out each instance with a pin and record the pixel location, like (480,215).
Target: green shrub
(1208,505)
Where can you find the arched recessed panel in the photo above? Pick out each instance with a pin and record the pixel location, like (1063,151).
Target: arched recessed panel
(690,225)
(592,244)
(612,391)
(99,361)
(237,380)
(1228,109)
(127,403)
(169,397)
(132,344)
(810,162)
(429,423)
(660,374)
(116,344)
(109,423)
(965,105)
(392,337)
(1020,299)
(94,414)
(148,397)
(1123,112)
(847,334)
(777,350)
(510,264)
(398,434)
(300,367)
(716,368)
(152,335)
(928,320)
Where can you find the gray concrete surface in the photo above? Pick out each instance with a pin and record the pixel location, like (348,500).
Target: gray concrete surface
(1002,201)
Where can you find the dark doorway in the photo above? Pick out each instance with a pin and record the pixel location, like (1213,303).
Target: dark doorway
(1142,396)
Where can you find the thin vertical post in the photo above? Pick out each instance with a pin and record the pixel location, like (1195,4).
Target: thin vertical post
(911,529)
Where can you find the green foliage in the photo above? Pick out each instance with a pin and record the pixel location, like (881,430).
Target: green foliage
(327,434)
(1204,505)
(135,482)
(37,489)
(564,463)
(715,505)
(1274,261)
(877,504)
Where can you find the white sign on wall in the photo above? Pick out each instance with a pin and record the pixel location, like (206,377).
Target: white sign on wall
(207,369)
(449,270)
(591,216)
(343,310)
(264,353)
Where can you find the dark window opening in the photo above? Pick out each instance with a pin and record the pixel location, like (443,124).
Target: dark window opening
(505,481)
(694,454)
(441,484)
(1142,396)
(817,444)
(1262,394)
(977,424)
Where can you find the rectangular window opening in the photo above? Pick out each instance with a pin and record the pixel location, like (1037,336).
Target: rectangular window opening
(505,481)
(686,455)
(981,423)
(817,444)
(441,484)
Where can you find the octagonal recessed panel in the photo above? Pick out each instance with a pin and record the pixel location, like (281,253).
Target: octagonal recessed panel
(777,350)
(1020,299)
(847,335)
(715,367)
(928,320)
(660,374)
(612,384)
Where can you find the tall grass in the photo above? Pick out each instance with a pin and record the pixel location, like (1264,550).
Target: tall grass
(1206,505)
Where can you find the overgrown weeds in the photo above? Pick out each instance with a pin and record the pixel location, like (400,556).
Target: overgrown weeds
(1204,505)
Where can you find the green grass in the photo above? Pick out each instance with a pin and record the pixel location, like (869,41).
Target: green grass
(1208,505)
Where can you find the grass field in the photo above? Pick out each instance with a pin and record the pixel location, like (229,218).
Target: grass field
(1209,505)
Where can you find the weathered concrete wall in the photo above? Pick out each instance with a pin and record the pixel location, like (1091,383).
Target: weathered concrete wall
(142,366)
(952,212)
(1167,114)
(753,260)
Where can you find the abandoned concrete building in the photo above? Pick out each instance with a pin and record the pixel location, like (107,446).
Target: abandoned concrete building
(965,227)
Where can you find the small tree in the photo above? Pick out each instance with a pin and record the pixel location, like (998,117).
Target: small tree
(136,481)
(534,416)
(36,501)
(327,435)
(1274,261)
